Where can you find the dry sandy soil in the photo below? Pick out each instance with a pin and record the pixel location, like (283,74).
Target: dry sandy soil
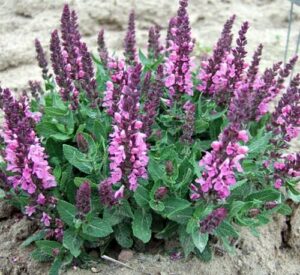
(23,20)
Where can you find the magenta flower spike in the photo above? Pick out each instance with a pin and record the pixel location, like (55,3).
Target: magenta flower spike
(83,198)
(130,52)
(178,64)
(213,220)
(102,49)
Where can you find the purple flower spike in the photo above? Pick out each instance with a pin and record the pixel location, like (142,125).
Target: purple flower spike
(41,58)
(253,68)
(83,198)
(102,49)
(36,89)
(114,87)
(106,193)
(154,47)
(212,65)
(171,32)
(221,164)
(189,124)
(127,149)
(62,72)
(78,61)
(152,102)
(129,42)
(178,64)
(213,220)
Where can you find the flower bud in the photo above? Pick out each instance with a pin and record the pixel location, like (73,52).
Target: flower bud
(82,144)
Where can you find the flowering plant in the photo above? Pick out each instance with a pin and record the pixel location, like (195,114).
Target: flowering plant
(149,146)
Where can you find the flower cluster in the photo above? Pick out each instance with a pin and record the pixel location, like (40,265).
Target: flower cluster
(287,167)
(285,121)
(178,64)
(212,66)
(72,63)
(127,149)
(25,156)
(221,163)
(213,220)
(223,81)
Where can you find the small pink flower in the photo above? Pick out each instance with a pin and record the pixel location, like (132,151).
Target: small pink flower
(30,210)
(119,194)
(46,219)
(278,183)
(243,136)
(41,199)
(170,80)
(279,165)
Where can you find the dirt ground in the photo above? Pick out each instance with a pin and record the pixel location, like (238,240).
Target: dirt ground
(23,20)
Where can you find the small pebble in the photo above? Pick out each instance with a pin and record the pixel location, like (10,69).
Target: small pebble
(125,255)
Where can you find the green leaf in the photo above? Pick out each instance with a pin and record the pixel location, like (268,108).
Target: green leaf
(235,208)
(143,58)
(206,255)
(55,267)
(186,242)
(97,228)
(40,256)
(284,209)
(77,159)
(2,194)
(200,240)
(141,196)
(155,170)
(226,229)
(47,246)
(270,194)
(259,144)
(157,205)
(168,231)
(35,237)
(174,205)
(67,212)
(123,235)
(72,242)
(141,225)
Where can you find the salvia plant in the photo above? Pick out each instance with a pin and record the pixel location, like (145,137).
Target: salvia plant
(150,146)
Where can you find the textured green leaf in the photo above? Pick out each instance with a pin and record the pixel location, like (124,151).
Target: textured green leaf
(123,235)
(35,237)
(141,225)
(225,229)
(141,196)
(73,242)
(67,212)
(97,228)
(270,194)
(186,241)
(77,159)
(200,240)
(47,246)
(55,267)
